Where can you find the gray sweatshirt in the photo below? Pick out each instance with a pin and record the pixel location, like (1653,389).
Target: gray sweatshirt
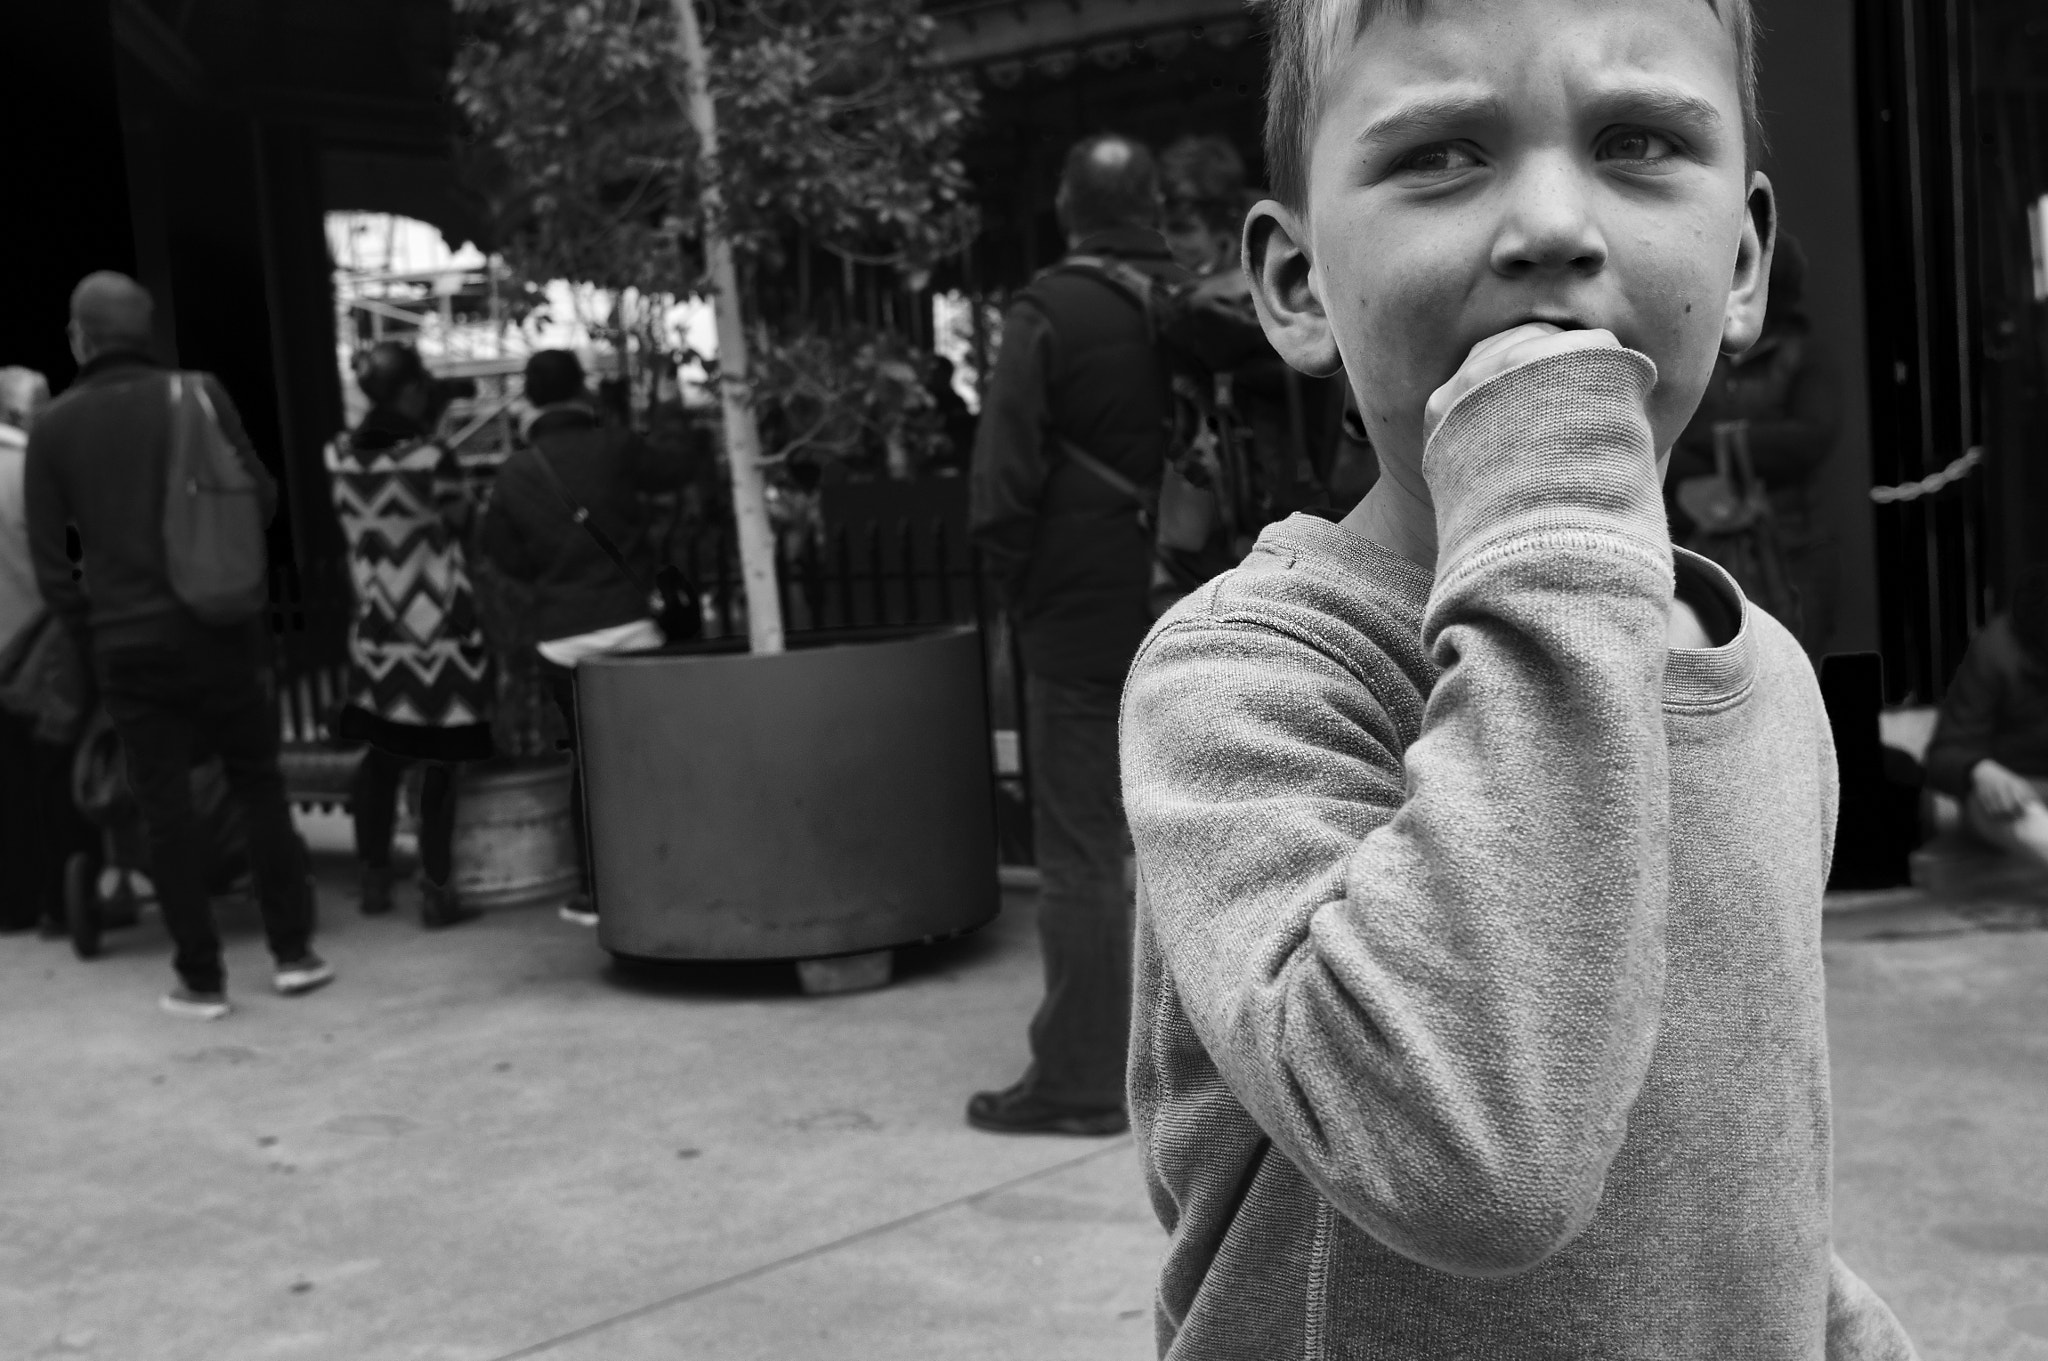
(1479,1004)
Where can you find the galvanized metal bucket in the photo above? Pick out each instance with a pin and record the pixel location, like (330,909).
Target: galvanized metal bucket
(513,841)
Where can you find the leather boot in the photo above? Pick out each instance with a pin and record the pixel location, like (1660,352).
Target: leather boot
(439,909)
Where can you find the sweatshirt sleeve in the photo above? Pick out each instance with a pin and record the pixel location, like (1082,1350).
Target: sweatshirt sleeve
(1436,982)
(1968,720)
(1861,1327)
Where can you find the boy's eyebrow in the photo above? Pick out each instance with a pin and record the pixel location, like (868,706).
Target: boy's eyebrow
(1429,114)
(1433,113)
(1658,104)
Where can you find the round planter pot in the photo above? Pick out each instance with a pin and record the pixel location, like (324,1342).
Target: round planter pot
(513,844)
(834,799)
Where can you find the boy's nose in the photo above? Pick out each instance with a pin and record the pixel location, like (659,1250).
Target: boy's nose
(1548,225)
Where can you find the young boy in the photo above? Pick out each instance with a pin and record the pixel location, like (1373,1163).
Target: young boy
(1482,837)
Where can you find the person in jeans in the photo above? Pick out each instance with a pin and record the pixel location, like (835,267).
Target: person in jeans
(175,688)
(420,684)
(1074,567)
(583,605)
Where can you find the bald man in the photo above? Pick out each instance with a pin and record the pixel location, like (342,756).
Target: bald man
(175,688)
(1077,368)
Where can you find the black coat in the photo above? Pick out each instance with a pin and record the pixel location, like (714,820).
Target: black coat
(1067,551)
(98,458)
(528,534)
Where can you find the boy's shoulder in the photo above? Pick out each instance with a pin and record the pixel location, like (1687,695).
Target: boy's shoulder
(1310,583)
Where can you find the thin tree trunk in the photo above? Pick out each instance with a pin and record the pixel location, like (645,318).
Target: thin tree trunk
(742,436)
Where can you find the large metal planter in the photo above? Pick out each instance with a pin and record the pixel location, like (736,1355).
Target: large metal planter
(834,799)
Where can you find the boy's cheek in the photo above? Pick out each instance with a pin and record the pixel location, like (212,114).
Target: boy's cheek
(1405,346)
(1673,402)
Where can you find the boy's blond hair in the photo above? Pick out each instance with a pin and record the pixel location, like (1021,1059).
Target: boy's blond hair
(1309,36)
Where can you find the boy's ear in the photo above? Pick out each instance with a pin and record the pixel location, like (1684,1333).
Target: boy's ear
(1749,293)
(1283,288)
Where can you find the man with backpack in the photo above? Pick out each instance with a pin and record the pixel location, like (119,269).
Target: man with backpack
(154,472)
(1068,458)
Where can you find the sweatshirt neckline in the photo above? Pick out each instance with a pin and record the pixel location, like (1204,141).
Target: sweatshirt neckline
(1695,676)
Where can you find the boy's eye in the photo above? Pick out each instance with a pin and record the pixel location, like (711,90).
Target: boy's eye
(1637,144)
(1443,158)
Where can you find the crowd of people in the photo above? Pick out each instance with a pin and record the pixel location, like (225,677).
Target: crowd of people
(94,630)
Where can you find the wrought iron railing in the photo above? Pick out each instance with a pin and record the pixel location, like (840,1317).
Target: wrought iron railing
(876,574)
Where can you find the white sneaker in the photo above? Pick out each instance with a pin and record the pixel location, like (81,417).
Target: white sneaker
(191,1005)
(578,911)
(304,975)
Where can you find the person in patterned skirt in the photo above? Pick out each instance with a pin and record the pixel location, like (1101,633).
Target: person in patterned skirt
(420,684)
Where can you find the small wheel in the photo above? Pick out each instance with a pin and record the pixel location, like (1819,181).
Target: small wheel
(82,904)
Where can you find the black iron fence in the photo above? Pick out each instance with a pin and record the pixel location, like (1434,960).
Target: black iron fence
(867,576)
(880,573)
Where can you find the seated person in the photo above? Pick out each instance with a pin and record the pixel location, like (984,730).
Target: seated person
(1990,747)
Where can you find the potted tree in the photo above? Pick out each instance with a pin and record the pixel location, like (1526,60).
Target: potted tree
(828,800)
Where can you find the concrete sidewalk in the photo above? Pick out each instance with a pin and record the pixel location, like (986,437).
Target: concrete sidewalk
(488,1143)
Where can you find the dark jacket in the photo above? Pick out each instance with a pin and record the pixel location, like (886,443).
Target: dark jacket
(1997,707)
(97,459)
(1066,549)
(528,534)
(1786,389)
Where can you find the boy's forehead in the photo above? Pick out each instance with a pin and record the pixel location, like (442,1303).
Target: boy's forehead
(1403,41)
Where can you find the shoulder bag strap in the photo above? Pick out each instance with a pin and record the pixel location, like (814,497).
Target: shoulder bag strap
(581,515)
(1127,282)
(1082,458)
(1148,510)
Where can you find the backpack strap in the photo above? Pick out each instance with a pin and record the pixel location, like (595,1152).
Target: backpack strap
(1120,277)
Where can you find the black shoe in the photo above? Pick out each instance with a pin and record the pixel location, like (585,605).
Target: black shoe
(301,976)
(376,895)
(1013,1111)
(439,910)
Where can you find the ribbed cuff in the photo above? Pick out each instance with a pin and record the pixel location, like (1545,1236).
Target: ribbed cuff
(1560,446)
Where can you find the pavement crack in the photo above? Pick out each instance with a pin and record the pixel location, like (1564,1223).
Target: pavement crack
(819,1250)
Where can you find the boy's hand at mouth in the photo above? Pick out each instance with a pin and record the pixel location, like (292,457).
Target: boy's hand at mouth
(1511,349)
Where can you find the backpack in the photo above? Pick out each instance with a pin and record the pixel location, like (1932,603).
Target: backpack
(214,548)
(1209,505)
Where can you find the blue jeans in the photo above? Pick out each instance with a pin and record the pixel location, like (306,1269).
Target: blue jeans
(1081,1033)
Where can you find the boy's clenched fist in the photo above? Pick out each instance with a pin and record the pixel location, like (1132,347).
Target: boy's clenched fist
(1510,349)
